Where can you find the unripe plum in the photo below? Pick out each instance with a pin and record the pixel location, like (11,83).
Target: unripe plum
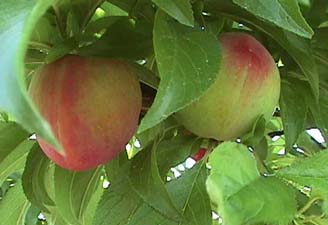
(247,86)
(92,105)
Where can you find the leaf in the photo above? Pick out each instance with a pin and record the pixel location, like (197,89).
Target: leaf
(32,214)
(188,61)
(123,39)
(173,151)
(297,47)
(11,135)
(14,206)
(144,170)
(180,10)
(189,193)
(283,13)
(37,179)
(89,214)
(73,16)
(120,204)
(17,20)
(141,9)
(15,160)
(241,195)
(73,191)
(294,109)
(309,172)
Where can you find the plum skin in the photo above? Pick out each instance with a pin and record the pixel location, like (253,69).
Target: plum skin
(92,105)
(247,86)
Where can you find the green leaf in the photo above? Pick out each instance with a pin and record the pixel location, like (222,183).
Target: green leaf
(294,109)
(173,151)
(297,47)
(89,214)
(11,135)
(309,172)
(73,191)
(38,179)
(125,38)
(189,194)
(241,195)
(144,170)
(17,20)
(32,214)
(120,204)
(308,144)
(73,16)
(15,161)
(141,9)
(188,62)
(283,13)
(317,13)
(180,10)
(14,206)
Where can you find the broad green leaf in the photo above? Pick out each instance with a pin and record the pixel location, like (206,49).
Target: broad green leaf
(283,13)
(188,62)
(294,109)
(89,214)
(189,194)
(73,16)
(144,170)
(45,34)
(317,13)
(32,214)
(141,9)
(112,10)
(308,144)
(17,20)
(173,151)
(38,179)
(120,204)
(123,39)
(11,135)
(180,10)
(14,206)
(15,161)
(73,191)
(297,47)
(310,172)
(241,195)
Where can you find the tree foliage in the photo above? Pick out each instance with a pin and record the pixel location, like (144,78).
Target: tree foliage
(275,174)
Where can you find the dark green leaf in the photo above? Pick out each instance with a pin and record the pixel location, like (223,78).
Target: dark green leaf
(144,170)
(180,10)
(125,38)
(120,204)
(294,108)
(188,62)
(173,151)
(189,194)
(73,16)
(283,13)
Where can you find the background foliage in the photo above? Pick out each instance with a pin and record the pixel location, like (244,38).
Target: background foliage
(276,174)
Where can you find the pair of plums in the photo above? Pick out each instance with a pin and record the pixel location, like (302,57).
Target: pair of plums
(93,104)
